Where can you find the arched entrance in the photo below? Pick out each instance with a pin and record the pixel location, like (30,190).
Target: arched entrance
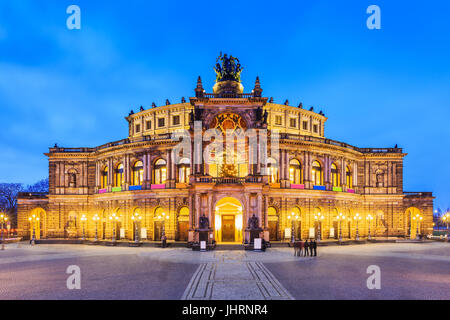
(36,221)
(183,224)
(228,220)
(413,220)
(272,217)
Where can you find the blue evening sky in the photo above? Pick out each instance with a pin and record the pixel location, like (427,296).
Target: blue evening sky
(378,87)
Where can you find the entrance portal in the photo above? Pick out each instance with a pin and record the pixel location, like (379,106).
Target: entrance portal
(228,220)
(228,228)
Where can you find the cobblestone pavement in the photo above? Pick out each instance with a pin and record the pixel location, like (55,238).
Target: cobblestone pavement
(408,271)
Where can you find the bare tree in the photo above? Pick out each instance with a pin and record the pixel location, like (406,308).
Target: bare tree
(8,199)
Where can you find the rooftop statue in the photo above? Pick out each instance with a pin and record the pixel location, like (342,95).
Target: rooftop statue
(228,68)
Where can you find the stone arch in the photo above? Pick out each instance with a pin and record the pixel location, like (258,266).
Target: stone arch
(273,217)
(411,221)
(230,218)
(296,211)
(182,223)
(39,222)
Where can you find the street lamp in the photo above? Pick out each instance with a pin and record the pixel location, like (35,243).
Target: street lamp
(293,217)
(319,217)
(83,224)
(3,220)
(369,219)
(114,218)
(33,220)
(163,216)
(340,217)
(418,218)
(136,217)
(446,219)
(96,218)
(357,218)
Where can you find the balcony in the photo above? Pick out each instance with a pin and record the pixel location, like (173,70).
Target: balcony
(298,137)
(229,180)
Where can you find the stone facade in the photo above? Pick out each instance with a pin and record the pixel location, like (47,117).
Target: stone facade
(127,178)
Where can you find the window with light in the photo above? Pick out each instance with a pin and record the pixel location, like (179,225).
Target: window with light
(138,174)
(295,172)
(160,172)
(334,175)
(118,176)
(316,174)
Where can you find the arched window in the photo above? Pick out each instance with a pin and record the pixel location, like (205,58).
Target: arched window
(138,174)
(104,178)
(295,172)
(348,178)
(335,175)
(272,170)
(316,174)
(118,175)
(184,170)
(160,172)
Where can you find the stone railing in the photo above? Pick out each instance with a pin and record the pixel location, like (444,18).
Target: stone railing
(165,136)
(418,194)
(229,95)
(31,195)
(229,180)
(289,136)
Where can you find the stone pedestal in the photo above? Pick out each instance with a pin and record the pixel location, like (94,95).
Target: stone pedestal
(251,234)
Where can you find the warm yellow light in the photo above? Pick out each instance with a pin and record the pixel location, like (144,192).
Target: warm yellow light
(218,222)
(238,222)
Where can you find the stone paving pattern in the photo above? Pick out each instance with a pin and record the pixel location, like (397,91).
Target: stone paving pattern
(408,271)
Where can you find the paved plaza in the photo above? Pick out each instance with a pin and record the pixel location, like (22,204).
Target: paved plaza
(408,271)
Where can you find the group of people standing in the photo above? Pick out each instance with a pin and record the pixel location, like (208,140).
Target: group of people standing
(305,249)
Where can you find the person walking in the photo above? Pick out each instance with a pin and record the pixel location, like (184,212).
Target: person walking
(296,246)
(306,248)
(311,245)
(315,247)
(301,248)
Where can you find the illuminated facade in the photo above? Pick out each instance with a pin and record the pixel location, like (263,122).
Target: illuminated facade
(302,183)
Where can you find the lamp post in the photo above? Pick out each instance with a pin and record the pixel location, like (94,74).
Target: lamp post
(163,217)
(3,220)
(446,219)
(33,220)
(357,218)
(369,219)
(319,217)
(418,218)
(293,217)
(83,225)
(340,217)
(96,218)
(136,217)
(114,218)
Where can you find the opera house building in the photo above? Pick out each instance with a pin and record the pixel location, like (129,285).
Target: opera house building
(217,161)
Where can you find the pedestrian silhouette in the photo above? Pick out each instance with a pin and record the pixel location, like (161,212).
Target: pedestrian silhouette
(306,248)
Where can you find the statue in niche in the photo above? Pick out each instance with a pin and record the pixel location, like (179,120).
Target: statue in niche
(253,222)
(72,180)
(380,178)
(204,222)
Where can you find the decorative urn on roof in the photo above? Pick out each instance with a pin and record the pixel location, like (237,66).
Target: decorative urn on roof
(228,75)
